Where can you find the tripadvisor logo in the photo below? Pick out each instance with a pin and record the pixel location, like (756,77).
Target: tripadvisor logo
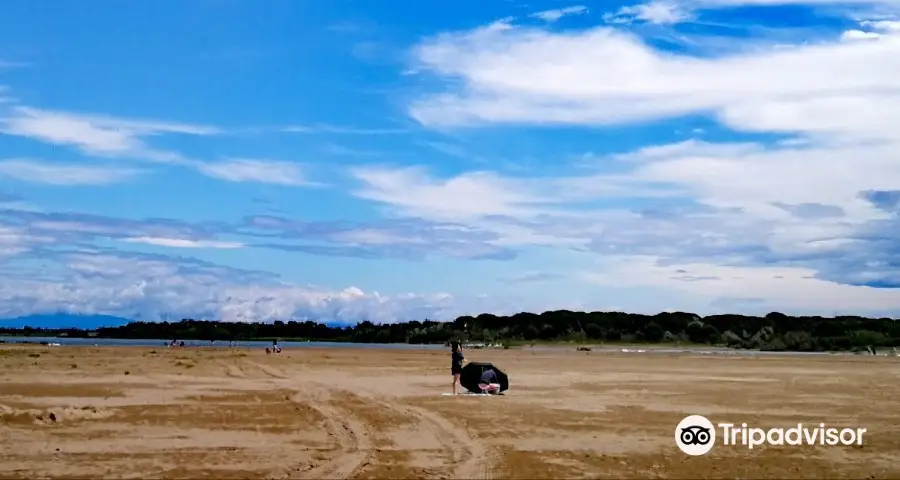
(696,435)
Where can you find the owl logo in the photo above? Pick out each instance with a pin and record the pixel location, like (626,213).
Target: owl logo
(695,435)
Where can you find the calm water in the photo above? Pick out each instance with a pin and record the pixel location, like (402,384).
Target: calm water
(124,342)
(127,342)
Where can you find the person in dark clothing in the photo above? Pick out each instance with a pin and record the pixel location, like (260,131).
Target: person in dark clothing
(489,382)
(456,363)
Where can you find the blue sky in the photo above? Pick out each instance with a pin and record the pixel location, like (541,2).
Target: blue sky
(350,160)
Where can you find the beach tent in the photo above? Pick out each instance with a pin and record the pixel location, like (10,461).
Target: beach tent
(471,376)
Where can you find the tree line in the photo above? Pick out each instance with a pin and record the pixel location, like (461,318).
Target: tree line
(773,332)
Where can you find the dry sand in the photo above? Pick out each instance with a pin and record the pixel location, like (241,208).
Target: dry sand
(126,412)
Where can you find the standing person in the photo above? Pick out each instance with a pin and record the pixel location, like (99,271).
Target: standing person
(456,362)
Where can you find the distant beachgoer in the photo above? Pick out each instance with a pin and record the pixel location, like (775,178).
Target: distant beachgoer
(268,351)
(181,343)
(277,348)
(489,382)
(456,363)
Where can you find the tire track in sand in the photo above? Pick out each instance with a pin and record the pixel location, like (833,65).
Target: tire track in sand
(469,456)
(233,371)
(271,372)
(350,434)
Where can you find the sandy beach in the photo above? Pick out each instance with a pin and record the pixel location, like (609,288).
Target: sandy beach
(126,412)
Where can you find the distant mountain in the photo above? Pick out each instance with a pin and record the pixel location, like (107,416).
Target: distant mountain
(63,320)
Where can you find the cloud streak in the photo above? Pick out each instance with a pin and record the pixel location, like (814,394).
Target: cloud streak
(51,173)
(660,12)
(557,14)
(339,130)
(275,172)
(93,134)
(111,137)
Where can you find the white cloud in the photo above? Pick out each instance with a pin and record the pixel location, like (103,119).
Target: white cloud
(151,288)
(875,30)
(660,12)
(370,236)
(92,133)
(841,98)
(119,137)
(739,3)
(778,288)
(555,15)
(183,243)
(342,130)
(882,25)
(470,195)
(851,35)
(256,170)
(851,5)
(836,99)
(604,76)
(750,181)
(35,171)
(13,241)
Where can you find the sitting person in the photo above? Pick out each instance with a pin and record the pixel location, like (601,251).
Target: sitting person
(489,383)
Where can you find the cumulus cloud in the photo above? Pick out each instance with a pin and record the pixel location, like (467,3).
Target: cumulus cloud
(156,287)
(77,275)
